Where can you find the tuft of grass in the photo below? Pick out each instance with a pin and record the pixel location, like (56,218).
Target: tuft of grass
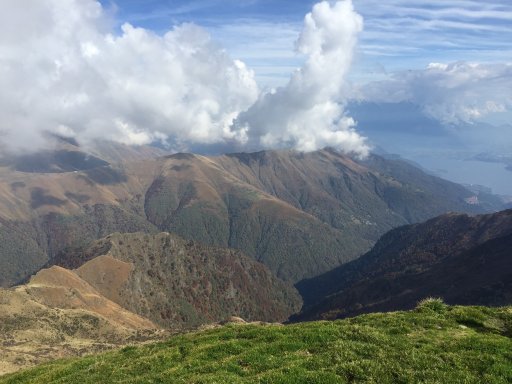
(432,304)
(436,343)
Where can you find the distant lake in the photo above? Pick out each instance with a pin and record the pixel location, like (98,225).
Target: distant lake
(493,175)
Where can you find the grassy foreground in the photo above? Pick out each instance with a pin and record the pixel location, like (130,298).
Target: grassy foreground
(433,344)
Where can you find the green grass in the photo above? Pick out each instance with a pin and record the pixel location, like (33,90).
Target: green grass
(435,343)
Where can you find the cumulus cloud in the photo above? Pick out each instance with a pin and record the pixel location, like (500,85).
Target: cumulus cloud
(453,93)
(307,113)
(62,70)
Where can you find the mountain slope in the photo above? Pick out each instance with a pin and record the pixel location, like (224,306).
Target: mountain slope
(464,259)
(433,344)
(179,283)
(58,314)
(28,246)
(301,214)
(116,290)
(65,197)
(366,198)
(196,198)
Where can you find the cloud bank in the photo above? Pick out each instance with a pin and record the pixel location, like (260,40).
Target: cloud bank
(64,70)
(453,93)
(306,113)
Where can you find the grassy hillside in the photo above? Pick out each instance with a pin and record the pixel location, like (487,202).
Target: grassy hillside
(57,315)
(98,301)
(434,343)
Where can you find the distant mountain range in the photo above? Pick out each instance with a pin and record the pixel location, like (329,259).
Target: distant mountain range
(462,259)
(460,151)
(300,214)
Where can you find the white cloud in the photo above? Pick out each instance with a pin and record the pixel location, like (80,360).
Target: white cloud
(451,93)
(267,47)
(306,113)
(62,70)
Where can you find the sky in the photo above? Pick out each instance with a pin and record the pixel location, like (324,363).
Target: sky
(397,35)
(216,76)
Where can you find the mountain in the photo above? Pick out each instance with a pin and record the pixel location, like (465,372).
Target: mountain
(463,259)
(116,153)
(457,151)
(58,314)
(300,214)
(365,197)
(197,198)
(180,283)
(49,202)
(126,288)
(435,343)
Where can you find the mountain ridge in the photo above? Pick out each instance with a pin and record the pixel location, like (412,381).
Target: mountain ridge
(57,314)
(301,214)
(179,283)
(463,259)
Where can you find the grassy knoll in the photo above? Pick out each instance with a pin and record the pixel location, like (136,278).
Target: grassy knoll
(433,344)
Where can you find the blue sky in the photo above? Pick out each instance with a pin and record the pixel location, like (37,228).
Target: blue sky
(397,35)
